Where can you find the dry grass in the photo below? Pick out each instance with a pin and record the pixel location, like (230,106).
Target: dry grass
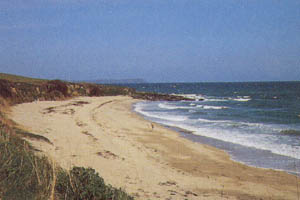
(23,175)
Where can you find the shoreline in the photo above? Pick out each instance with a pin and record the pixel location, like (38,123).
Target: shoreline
(234,156)
(199,139)
(238,153)
(149,161)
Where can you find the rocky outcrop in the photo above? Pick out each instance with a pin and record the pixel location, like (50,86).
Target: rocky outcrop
(159,97)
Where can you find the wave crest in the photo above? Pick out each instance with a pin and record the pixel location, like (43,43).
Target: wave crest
(171,107)
(211,107)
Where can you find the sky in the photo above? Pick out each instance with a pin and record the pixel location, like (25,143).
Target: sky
(155,40)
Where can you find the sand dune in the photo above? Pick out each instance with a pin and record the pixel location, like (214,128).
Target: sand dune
(144,158)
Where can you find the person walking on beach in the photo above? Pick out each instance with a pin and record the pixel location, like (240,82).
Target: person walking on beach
(152,126)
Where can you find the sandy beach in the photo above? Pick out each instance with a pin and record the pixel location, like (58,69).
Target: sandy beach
(147,160)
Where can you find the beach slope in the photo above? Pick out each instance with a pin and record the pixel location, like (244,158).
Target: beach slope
(144,158)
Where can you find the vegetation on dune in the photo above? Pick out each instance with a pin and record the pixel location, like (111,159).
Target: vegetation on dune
(21,79)
(21,89)
(95,91)
(57,86)
(82,183)
(4,89)
(23,175)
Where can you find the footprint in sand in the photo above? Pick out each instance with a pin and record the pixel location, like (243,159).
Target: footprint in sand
(81,124)
(107,154)
(90,135)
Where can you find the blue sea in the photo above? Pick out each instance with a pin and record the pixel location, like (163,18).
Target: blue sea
(257,123)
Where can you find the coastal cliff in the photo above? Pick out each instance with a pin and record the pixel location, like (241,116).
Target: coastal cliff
(20,90)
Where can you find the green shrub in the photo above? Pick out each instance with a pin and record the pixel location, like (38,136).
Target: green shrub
(82,183)
(95,91)
(58,86)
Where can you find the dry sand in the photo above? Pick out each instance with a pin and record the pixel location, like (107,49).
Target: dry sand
(145,159)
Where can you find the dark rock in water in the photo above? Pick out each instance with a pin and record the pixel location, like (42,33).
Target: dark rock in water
(290,132)
(159,97)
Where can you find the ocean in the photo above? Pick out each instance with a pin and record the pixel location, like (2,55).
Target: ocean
(257,123)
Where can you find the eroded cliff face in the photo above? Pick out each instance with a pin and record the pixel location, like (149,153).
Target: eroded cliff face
(21,92)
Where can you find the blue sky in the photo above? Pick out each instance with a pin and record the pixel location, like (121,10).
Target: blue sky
(157,40)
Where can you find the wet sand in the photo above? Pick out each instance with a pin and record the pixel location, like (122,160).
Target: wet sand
(147,160)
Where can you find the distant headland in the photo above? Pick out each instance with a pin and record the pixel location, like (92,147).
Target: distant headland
(115,81)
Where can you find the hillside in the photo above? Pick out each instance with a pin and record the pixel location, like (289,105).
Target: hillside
(22,79)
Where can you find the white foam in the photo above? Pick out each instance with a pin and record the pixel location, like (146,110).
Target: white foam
(138,108)
(216,100)
(172,118)
(259,142)
(196,97)
(266,142)
(240,99)
(237,125)
(205,120)
(165,106)
(234,135)
(156,115)
(212,121)
(171,107)
(211,107)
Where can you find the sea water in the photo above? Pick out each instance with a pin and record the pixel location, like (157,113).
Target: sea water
(257,123)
